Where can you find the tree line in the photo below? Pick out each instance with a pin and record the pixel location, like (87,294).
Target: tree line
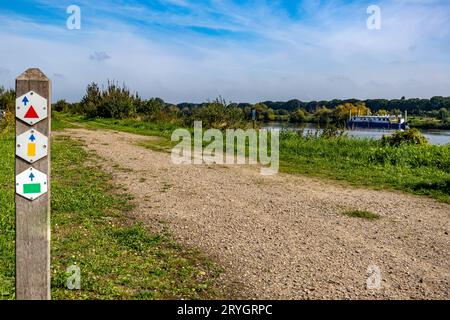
(413,106)
(118,101)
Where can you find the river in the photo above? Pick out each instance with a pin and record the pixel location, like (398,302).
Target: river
(436,137)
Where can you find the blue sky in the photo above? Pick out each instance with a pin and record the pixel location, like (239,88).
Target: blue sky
(245,51)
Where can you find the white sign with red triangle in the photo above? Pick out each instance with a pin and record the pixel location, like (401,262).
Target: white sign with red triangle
(31,108)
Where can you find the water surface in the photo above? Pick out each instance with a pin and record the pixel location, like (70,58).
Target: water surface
(437,137)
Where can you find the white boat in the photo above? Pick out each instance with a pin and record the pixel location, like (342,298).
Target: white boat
(381,122)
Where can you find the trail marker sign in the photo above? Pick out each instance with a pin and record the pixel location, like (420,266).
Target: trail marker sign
(31,184)
(31,146)
(31,108)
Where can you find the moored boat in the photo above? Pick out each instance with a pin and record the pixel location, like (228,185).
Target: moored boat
(380,122)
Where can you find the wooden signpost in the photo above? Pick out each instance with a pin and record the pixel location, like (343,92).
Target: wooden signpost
(32,165)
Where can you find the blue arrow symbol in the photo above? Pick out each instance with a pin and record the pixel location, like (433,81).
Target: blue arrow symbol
(25,100)
(32,138)
(31,177)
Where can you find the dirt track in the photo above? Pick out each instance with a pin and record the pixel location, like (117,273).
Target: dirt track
(284,237)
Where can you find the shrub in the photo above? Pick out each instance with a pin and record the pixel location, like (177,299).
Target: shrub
(323,115)
(90,110)
(7,102)
(113,102)
(331,132)
(298,116)
(410,136)
(217,114)
(7,121)
(61,106)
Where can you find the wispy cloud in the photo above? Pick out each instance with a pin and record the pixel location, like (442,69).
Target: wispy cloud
(99,56)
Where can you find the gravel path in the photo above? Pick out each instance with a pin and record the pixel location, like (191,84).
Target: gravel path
(284,237)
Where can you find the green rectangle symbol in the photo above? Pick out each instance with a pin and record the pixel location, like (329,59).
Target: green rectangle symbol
(32,188)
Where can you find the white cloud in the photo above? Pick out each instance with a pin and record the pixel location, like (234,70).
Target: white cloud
(327,54)
(99,56)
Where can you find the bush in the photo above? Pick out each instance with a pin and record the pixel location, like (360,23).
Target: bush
(323,115)
(7,121)
(298,116)
(410,136)
(151,108)
(7,103)
(331,132)
(61,106)
(113,102)
(217,114)
(156,110)
(90,110)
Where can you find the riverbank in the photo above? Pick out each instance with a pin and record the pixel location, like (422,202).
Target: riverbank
(423,170)
(415,169)
(426,123)
(423,123)
(434,136)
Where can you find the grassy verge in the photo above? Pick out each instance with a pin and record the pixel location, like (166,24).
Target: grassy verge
(361,214)
(423,170)
(7,231)
(126,125)
(118,257)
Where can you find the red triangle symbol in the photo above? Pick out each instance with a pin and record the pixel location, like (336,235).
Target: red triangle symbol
(31,114)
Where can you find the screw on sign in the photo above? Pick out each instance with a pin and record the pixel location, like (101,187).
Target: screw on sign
(31,184)
(31,146)
(31,108)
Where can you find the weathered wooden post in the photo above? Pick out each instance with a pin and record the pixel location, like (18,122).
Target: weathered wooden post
(33,111)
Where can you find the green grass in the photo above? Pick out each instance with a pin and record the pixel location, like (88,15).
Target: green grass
(60,122)
(7,231)
(93,228)
(421,170)
(125,125)
(362,214)
(160,144)
(428,123)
